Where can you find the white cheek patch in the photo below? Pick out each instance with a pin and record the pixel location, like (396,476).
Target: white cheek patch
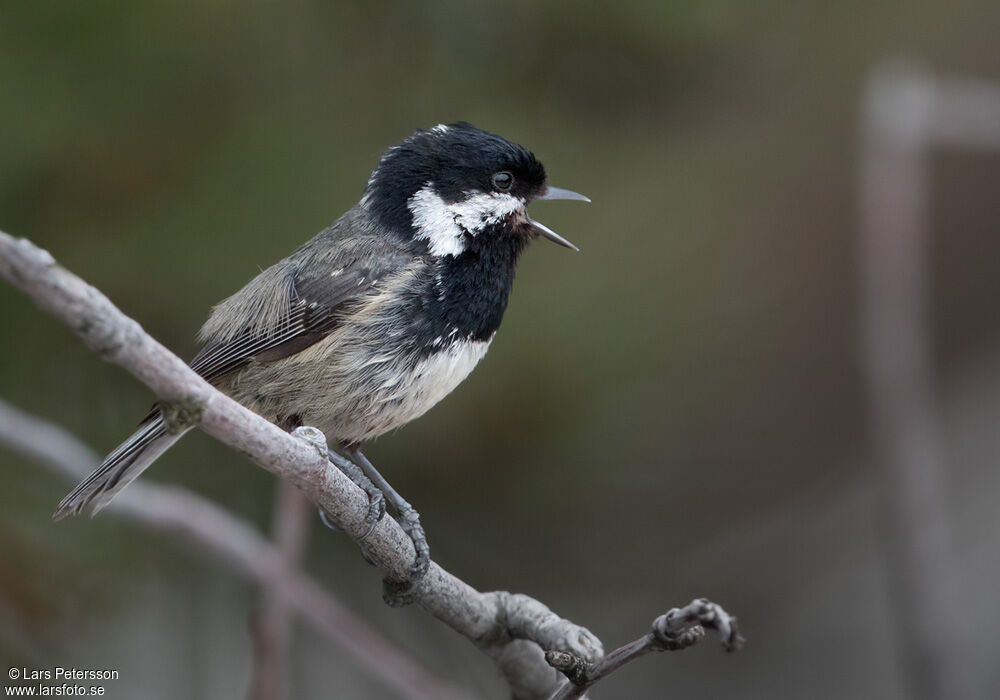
(435,223)
(444,225)
(484,209)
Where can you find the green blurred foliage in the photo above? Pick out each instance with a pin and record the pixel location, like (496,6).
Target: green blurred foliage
(685,377)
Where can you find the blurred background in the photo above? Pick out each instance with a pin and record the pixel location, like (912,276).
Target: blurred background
(679,410)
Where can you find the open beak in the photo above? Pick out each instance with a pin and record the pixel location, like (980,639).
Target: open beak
(543,230)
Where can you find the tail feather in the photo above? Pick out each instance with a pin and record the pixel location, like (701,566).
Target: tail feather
(118,469)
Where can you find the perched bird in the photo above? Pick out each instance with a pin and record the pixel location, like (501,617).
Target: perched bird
(377,318)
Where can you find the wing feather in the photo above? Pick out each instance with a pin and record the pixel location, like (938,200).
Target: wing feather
(316,298)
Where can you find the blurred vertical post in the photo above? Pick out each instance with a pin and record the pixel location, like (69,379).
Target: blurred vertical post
(272,626)
(905,114)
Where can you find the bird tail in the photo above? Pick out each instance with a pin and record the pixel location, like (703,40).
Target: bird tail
(119,468)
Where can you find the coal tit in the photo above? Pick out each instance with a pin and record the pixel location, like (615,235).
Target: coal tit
(377,318)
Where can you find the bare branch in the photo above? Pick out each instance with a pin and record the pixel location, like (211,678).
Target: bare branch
(511,629)
(218,534)
(105,329)
(678,629)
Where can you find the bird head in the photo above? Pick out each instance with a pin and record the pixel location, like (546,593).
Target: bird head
(453,184)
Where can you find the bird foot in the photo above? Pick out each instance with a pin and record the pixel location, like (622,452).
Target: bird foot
(399,593)
(376,499)
(409,520)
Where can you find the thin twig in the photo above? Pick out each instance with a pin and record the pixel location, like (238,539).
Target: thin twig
(217,534)
(678,629)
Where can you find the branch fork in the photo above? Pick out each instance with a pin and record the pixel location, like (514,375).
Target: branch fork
(675,630)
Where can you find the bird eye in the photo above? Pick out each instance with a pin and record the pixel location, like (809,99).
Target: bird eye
(503,181)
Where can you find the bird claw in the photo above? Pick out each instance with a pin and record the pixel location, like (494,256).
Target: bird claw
(325,518)
(376,499)
(409,520)
(374,514)
(376,508)
(399,593)
(403,592)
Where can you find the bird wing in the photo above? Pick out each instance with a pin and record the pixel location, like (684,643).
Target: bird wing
(311,301)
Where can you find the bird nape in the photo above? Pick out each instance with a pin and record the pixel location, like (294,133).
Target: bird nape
(374,320)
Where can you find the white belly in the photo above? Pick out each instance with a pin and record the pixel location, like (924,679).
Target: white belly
(354,396)
(413,394)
